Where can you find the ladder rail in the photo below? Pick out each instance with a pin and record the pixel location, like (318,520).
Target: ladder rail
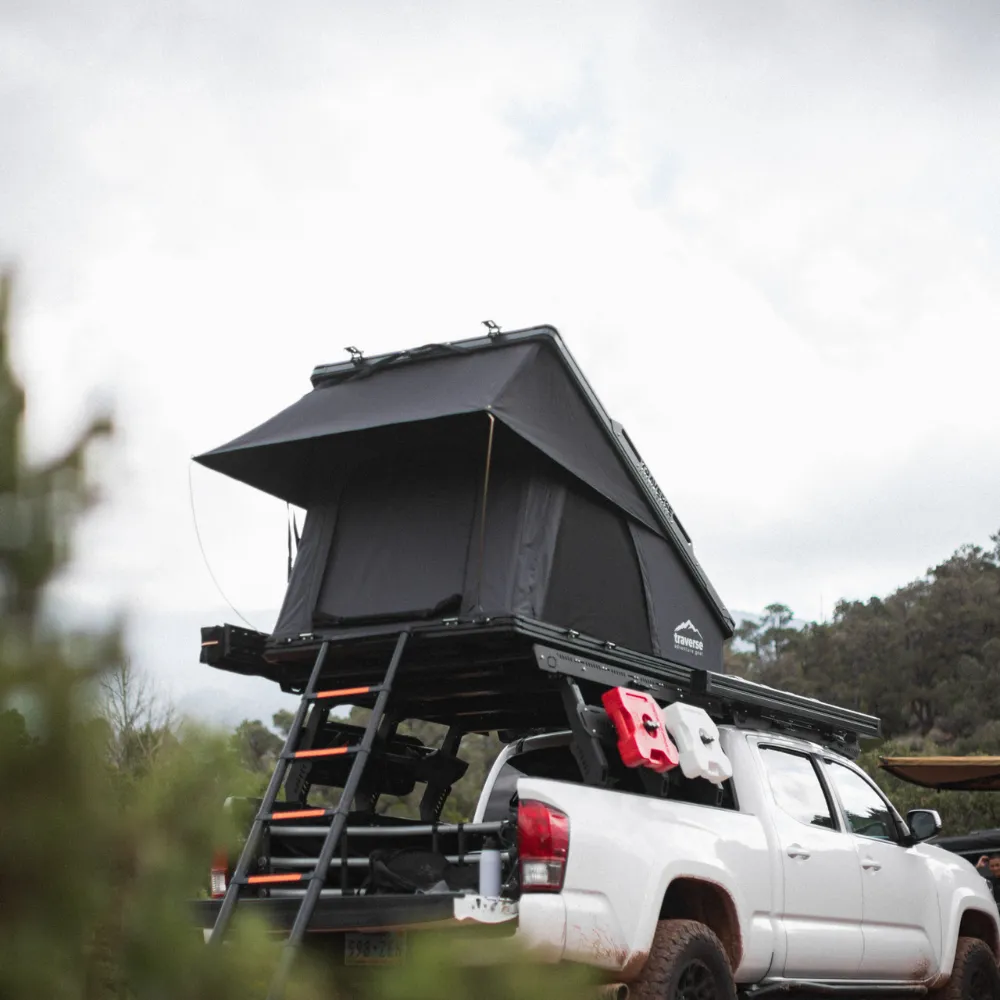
(337,826)
(253,840)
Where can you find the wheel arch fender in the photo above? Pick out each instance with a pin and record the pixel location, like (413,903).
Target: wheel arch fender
(701,895)
(969,916)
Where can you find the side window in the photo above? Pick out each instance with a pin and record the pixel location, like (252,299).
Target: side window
(796,787)
(867,813)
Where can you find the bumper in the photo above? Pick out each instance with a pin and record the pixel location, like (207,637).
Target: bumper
(541,925)
(388,912)
(575,926)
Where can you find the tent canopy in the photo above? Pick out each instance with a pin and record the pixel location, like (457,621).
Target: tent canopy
(481,477)
(522,385)
(968,774)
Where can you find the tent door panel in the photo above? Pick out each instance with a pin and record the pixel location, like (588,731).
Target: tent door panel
(401,542)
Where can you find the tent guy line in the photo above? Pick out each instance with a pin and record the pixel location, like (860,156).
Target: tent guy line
(201,547)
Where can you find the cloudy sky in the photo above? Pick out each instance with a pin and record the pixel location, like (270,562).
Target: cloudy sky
(768,231)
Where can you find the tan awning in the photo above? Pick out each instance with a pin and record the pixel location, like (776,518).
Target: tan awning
(968,774)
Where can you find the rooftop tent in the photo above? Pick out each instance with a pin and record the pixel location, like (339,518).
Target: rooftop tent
(478,478)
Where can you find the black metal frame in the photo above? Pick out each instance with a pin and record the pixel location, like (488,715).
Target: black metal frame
(589,726)
(351,913)
(505,674)
(460,843)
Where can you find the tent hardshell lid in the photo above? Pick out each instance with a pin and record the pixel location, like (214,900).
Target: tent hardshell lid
(477,480)
(969,774)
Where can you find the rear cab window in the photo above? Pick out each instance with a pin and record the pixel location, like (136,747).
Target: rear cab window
(558,763)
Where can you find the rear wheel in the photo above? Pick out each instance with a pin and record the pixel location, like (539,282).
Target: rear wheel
(687,962)
(974,976)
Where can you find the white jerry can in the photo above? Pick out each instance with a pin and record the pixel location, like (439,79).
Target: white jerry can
(697,739)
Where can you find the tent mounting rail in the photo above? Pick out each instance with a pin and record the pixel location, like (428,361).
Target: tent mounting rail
(522,661)
(726,698)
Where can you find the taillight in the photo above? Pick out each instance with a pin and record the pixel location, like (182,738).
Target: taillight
(542,846)
(220,874)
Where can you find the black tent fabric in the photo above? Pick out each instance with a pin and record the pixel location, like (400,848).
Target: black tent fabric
(472,483)
(593,537)
(419,512)
(523,385)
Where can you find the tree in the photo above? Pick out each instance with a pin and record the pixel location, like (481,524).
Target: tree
(925,660)
(282,721)
(740,664)
(38,504)
(257,746)
(775,631)
(139,722)
(771,635)
(95,873)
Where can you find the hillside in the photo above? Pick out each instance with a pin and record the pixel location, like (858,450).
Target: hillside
(925,659)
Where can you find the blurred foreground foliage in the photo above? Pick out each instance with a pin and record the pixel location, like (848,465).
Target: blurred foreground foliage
(113,809)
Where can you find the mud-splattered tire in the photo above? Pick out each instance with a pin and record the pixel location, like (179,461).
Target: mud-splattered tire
(974,976)
(687,962)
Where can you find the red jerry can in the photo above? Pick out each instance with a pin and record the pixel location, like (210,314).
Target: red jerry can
(643,740)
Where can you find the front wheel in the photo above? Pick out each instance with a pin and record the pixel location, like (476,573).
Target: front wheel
(974,975)
(687,962)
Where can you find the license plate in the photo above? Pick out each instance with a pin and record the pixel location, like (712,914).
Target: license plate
(374,949)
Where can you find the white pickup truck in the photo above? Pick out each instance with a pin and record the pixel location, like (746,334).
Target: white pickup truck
(797,874)
(794,875)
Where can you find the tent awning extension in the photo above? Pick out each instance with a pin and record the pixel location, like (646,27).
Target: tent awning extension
(966,774)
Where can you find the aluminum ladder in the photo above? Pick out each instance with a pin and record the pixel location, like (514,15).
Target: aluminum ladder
(294,751)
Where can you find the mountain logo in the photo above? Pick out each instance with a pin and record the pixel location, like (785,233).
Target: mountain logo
(688,639)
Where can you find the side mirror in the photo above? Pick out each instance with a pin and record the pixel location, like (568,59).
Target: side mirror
(923,824)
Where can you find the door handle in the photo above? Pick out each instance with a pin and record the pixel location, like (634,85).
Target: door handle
(869,865)
(795,851)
